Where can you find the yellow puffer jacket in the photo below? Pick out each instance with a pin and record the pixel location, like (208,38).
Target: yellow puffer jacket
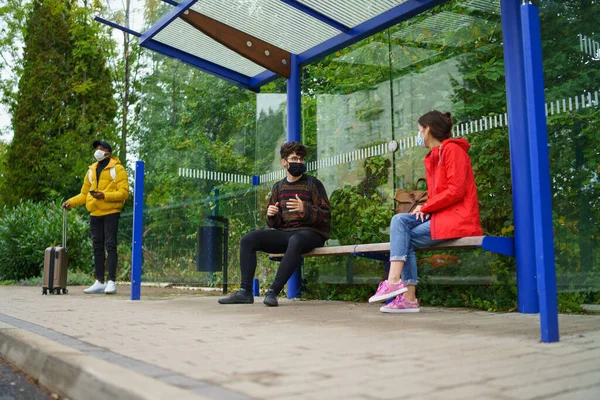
(115,191)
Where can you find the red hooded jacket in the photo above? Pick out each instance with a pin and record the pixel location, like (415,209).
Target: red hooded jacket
(451,191)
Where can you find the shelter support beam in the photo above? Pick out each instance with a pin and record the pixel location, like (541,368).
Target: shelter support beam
(532,200)
(540,173)
(138,228)
(294,133)
(519,156)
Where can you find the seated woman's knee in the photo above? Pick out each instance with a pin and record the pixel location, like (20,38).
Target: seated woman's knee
(401,219)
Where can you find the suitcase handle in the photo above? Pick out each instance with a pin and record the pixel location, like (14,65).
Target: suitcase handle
(64,228)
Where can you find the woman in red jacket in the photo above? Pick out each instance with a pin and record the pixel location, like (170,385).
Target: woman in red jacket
(451,211)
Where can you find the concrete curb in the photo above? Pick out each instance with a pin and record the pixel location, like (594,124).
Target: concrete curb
(78,376)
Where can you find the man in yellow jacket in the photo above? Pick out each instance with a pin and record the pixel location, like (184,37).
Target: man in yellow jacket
(104,191)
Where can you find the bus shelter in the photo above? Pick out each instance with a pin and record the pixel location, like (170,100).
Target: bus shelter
(283,36)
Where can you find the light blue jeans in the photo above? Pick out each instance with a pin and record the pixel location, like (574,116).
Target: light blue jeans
(406,234)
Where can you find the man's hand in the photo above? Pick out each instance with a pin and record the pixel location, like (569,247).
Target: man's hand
(66,204)
(296,205)
(419,215)
(98,195)
(273,210)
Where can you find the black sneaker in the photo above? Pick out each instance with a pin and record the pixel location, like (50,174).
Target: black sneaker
(242,296)
(271,298)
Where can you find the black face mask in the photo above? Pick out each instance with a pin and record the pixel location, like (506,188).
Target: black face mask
(296,168)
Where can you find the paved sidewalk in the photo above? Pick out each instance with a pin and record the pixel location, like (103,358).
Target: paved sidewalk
(316,349)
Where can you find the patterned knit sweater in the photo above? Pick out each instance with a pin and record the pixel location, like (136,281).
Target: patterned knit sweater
(317,212)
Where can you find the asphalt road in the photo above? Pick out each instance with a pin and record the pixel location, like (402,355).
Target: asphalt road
(16,386)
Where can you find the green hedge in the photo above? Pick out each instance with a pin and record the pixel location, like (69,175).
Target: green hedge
(29,228)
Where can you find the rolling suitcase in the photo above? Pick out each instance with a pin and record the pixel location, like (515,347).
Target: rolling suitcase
(55,265)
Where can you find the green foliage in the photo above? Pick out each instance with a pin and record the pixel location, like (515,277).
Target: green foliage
(29,228)
(64,102)
(74,278)
(359,213)
(339,292)
(571,302)
(80,278)
(12,15)
(3,148)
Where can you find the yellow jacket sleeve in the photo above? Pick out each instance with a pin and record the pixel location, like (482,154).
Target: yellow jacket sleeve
(79,199)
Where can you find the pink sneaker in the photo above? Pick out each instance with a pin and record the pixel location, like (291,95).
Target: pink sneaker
(387,291)
(401,305)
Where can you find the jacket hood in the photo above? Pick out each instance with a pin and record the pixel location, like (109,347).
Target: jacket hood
(113,161)
(437,155)
(459,141)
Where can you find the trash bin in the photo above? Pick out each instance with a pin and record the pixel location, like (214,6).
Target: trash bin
(212,247)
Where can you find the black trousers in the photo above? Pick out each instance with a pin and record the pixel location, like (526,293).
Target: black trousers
(292,243)
(104,235)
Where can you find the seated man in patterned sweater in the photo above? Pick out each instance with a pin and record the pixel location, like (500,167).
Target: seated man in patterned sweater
(298,213)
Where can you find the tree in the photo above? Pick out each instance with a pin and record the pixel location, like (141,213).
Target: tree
(64,102)
(3,147)
(12,18)
(127,71)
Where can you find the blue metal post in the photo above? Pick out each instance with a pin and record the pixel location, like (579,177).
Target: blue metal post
(138,227)
(255,287)
(294,130)
(540,173)
(519,156)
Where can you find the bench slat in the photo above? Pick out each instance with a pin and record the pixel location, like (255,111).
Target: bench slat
(462,243)
(470,242)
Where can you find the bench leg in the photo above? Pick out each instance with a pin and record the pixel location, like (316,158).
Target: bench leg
(255,287)
(294,283)
(350,271)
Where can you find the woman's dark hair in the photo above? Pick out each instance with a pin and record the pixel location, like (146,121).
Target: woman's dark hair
(293,147)
(440,125)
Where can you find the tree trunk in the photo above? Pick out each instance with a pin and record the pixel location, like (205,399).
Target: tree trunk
(127,58)
(84,100)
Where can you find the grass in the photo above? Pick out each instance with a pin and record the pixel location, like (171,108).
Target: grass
(74,278)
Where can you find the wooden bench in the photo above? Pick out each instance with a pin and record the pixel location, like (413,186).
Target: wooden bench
(381,251)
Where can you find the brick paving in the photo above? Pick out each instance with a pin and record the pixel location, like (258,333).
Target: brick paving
(319,349)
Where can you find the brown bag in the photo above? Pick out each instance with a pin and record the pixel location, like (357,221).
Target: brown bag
(407,200)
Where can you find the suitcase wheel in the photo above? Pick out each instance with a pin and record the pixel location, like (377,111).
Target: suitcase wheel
(65,291)
(57,291)
(44,291)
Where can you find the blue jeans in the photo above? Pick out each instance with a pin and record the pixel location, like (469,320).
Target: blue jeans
(406,234)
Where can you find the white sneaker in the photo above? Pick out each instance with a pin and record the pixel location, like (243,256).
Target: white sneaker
(97,287)
(111,288)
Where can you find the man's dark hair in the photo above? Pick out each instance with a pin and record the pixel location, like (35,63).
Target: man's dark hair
(440,125)
(293,147)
